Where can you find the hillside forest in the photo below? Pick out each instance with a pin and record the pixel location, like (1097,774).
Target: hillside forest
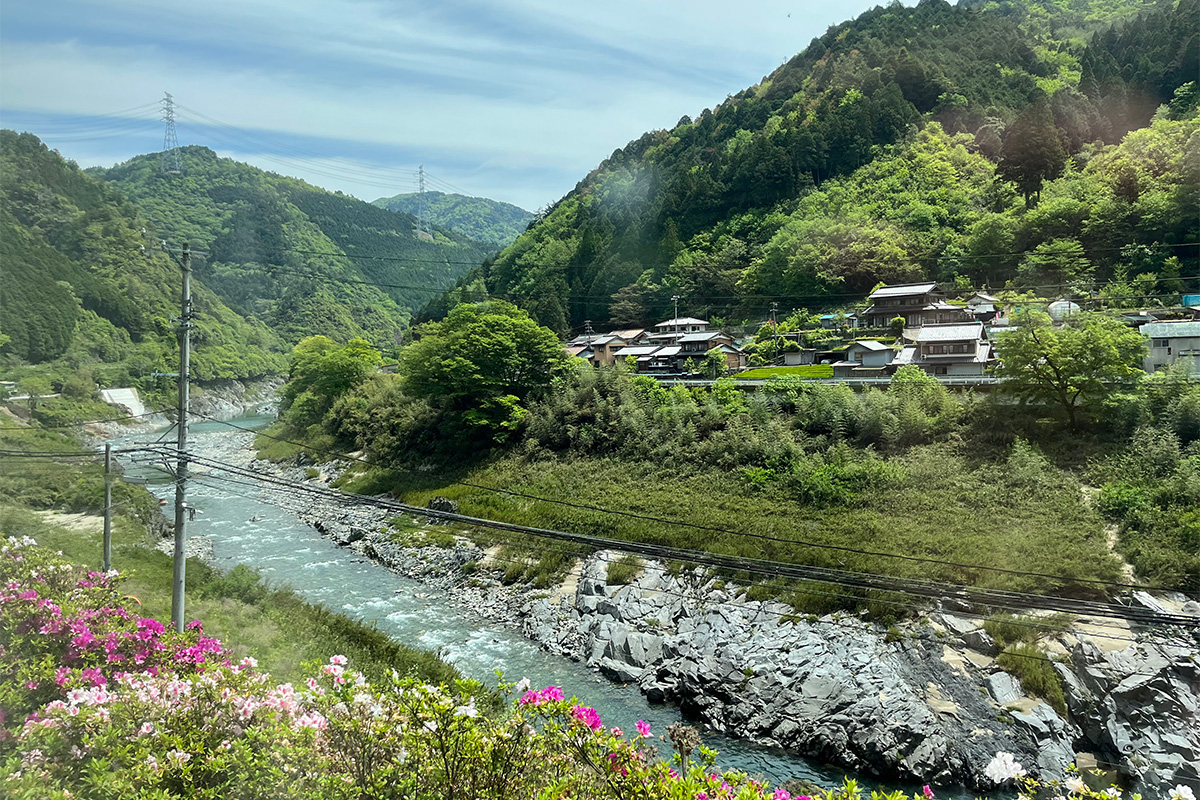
(491,222)
(1028,144)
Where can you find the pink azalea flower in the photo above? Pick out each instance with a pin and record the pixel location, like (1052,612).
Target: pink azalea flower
(643,728)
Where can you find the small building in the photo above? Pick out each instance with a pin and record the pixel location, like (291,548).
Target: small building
(831,321)
(984,308)
(863,358)
(948,349)
(695,345)
(800,358)
(917,303)
(600,348)
(1172,343)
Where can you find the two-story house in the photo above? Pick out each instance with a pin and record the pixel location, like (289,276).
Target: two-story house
(948,349)
(917,303)
(598,348)
(670,330)
(1172,343)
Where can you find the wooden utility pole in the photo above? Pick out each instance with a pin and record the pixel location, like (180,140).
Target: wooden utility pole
(108,507)
(185,345)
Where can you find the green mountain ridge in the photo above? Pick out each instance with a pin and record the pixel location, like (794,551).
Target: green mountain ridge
(85,287)
(743,206)
(493,222)
(304,260)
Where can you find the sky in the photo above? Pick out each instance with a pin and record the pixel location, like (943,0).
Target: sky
(513,100)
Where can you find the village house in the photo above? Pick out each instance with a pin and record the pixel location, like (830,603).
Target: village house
(985,308)
(599,349)
(948,349)
(670,330)
(1172,343)
(863,359)
(916,303)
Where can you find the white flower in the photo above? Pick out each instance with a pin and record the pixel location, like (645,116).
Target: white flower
(430,726)
(1182,792)
(1075,784)
(1112,791)
(1003,768)
(522,686)
(468,710)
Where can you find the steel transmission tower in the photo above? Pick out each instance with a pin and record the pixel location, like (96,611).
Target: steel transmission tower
(422,208)
(169,158)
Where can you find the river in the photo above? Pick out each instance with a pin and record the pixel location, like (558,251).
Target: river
(245,529)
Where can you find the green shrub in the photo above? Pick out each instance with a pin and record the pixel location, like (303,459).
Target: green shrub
(624,571)
(1036,673)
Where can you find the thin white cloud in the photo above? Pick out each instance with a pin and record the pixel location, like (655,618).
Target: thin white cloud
(539,88)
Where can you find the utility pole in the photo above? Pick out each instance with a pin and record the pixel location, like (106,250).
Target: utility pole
(587,330)
(107,506)
(185,346)
(675,300)
(774,333)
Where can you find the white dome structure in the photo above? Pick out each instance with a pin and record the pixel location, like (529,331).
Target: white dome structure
(1061,309)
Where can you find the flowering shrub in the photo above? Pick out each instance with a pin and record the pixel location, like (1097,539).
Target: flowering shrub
(100,703)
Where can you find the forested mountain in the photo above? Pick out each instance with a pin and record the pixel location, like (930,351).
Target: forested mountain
(930,142)
(83,284)
(492,222)
(304,260)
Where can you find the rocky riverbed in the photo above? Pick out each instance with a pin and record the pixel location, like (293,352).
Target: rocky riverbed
(921,701)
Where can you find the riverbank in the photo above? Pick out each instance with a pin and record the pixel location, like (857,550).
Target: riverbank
(922,701)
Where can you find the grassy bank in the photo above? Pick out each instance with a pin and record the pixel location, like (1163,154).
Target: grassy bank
(1022,514)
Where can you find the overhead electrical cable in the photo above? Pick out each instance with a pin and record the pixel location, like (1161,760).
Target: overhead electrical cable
(713,529)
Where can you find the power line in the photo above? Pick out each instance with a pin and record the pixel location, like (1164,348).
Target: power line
(712,529)
(868,581)
(221,483)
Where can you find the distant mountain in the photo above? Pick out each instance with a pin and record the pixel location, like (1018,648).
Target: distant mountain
(304,260)
(83,283)
(907,144)
(490,221)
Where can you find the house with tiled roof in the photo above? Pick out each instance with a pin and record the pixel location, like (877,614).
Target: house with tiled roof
(948,349)
(917,303)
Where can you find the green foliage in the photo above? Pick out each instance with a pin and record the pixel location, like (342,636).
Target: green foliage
(1036,673)
(624,570)
(86,288)
(491,222)
(1077,363)
(304,260)
(873,156)
(803,371)
(322,371)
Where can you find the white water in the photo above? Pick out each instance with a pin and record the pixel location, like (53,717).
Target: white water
(246,530)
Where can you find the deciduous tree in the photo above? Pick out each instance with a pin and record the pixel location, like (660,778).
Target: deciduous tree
(1067,366)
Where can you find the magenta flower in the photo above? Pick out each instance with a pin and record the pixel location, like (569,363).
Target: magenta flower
(643,728)
(588,716)
(780,794)
(925,790)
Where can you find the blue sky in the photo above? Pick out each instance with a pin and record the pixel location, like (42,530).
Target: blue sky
(512,100)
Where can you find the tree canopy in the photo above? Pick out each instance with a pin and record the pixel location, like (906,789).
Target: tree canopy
(482,362)
(1076,363)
